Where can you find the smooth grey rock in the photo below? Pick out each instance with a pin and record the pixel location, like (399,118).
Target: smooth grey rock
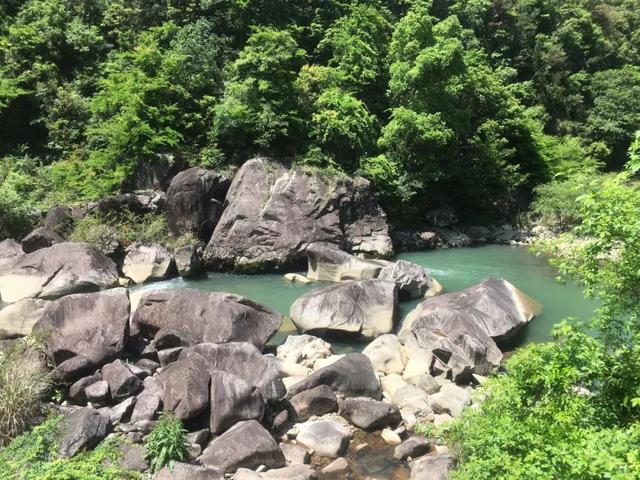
(17,319)
(368,308)
(97,392)
(56,271)
(122,382)
(451,399)
(327,438)
(337,467)
(72,369)
(351,376)
(147,263)
(81,429)
(89,325)
(212,317)
(370,414)
(194,201)
(188,261)
(199,437)
(412,280)
(304,350)
(169,355)
(292,472)
(233,400)
(9,250)
(185,386)
(432,467)
(295,454)
(244,361)
(185,471)
(385,354)
(148,401)
(76,391)
(120,412)
(327,263)
(41,237)
(272,214)
(413,447)
(246,445)
(316,401)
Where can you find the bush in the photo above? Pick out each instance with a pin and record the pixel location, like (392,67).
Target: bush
(33,456)
(166,442)
(24,380)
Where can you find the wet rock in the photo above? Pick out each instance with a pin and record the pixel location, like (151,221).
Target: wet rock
(185,386)
(351,376)
(244,361)
(327,438)
(451,399)
(246,445)
(213,317)
(412,280)
(93,326)
(367,308)
(18,319)
(316,401)
(370,414)
(147,263)
(327,263)
(41,237)
(385,354)
(122,382)
(432,467)
(185,471)
(82,429)
(56,271)
(233,400)
(194,201)
(413,447)
(304,350)
(295,454)
(273,214)
(188,261)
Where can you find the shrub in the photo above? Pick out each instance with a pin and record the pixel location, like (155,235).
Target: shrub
(166,442)
(24,380)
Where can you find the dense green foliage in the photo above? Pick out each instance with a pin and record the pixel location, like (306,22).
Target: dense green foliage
(571,409)
(469,103)
(166,443)
(33,456)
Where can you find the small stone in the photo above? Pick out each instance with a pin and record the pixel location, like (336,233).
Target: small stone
(413,447)
(390,437)
(338,466)
(327,438)
(316,401)
(295,454)
(122,382)
(98,392)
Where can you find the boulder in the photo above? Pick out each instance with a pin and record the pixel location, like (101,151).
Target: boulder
(412,280)
(244,361)
(292,472)
(337,467)
(72,369)
(186,471)
(413,447)
(432,467)
(97,392)
(81,429)
(59,219)
(188,261)
(76,391)
(411,398)
(121,380)
(91,326)
(316,401)
(327,438)
(147,263)
(233,400)
(246,445)
(9,250)
(62,269)
(351,376)
(451,399)
(370,414)
(194,201)
(116,204)
(367,308)
(148,401)
(185,386)
(18,319)
(212,317)
(41,237)
(272,214)
(295,454)
(494,305)
(327,263)
(385,354)
(304,350)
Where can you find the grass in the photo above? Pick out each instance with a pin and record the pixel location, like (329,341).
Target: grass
(166,442)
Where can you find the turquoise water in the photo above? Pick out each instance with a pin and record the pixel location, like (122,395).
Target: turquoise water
(455,269)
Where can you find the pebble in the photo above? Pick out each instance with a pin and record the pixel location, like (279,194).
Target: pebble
(390,437)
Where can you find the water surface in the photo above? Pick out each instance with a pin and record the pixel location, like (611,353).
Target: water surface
(454,268)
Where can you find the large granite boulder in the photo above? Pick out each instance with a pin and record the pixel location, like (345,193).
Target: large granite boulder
(194,201)
(304,350)
(317,401)
(244,361)
(233,400)
(211,317)
(246,445)
(272,214)
(386,354)
(494,305)
(188,260)
(368,308)
(17,319)
(147,263)
(351,376)
(41,237)
(185,385)
(91,326)
(327,263)
(53,272)
(81,429)
(412,280)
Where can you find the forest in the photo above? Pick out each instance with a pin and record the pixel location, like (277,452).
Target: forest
(506,109)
